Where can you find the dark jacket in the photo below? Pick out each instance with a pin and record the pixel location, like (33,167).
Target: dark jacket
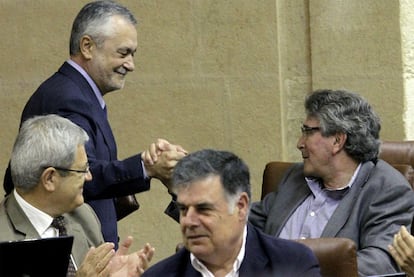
(67,93)
(265,256)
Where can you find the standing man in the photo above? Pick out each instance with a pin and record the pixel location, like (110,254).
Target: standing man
(49,167)
(213,196)
(341,189)
(102,46)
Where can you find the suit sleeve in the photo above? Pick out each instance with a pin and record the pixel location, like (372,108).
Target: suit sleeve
(75,100)
(259,211)
(391,205)
(111,177)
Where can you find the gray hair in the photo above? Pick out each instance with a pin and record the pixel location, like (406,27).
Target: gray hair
(47,140)
(91,20)
(342,111)
(233,172)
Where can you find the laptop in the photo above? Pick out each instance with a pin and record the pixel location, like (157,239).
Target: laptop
(36,257)
(398,274)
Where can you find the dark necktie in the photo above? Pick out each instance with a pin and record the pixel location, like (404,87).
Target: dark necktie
(59,223)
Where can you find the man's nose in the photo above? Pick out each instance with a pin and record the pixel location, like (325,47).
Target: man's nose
(129,63)
(190,218)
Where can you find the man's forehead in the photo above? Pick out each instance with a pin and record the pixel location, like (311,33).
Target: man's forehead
(203,190)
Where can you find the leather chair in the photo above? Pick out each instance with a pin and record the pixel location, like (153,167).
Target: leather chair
(337,256)
(400,154)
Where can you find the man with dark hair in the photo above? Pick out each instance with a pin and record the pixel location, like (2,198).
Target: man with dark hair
(213,196)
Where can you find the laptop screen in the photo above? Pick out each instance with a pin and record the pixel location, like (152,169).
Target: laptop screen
(35,258)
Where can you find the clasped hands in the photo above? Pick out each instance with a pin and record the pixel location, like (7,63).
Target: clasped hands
(103,261)
(160,159)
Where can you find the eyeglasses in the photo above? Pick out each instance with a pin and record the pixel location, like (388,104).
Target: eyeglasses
(85,171)
(306,130)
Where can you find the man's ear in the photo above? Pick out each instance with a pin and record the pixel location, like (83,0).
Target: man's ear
(243,205)
(87,45)
(339,142)
(49,178)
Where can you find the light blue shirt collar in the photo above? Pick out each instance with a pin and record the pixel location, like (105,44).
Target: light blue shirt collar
(95,89)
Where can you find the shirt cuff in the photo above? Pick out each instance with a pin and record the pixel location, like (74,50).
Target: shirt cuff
(146,177)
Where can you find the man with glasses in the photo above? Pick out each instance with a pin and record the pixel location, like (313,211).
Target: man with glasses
(49,167)
(341,189)
(83,171)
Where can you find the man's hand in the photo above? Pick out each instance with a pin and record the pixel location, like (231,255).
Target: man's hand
(97,261)
(150,156)
(402,250)
(160,159)
(103,261)
(130,265)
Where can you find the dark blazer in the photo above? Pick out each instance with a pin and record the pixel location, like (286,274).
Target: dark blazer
(265,256)
(82,224)
(68,94)
(378,203)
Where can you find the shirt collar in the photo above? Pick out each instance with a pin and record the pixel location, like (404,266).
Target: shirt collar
(95,89)
(200,267)
(315,185)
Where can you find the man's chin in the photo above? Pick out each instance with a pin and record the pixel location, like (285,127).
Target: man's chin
(116,85)
(79,200)
(200,251)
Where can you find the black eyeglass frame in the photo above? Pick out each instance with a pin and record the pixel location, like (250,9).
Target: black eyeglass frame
(70,170)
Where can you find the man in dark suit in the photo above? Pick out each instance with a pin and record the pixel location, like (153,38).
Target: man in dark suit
(102,45)
(49,167)
(341,189)
(213,196)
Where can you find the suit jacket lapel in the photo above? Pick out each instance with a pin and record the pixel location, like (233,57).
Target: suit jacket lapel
(294,192)
(96,111)
(19,220)
(254,260)
(343,211)
(103,123)
(80,243)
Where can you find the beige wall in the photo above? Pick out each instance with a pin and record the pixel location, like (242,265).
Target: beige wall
(224,74)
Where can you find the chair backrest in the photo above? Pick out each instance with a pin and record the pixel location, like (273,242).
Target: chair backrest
(337,256)
(272,175)
(400,154)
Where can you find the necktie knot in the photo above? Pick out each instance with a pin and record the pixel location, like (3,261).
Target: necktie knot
(59,223)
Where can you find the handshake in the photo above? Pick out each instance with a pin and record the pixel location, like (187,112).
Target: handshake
(160,159)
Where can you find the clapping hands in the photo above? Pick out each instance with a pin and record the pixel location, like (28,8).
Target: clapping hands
(103,261)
